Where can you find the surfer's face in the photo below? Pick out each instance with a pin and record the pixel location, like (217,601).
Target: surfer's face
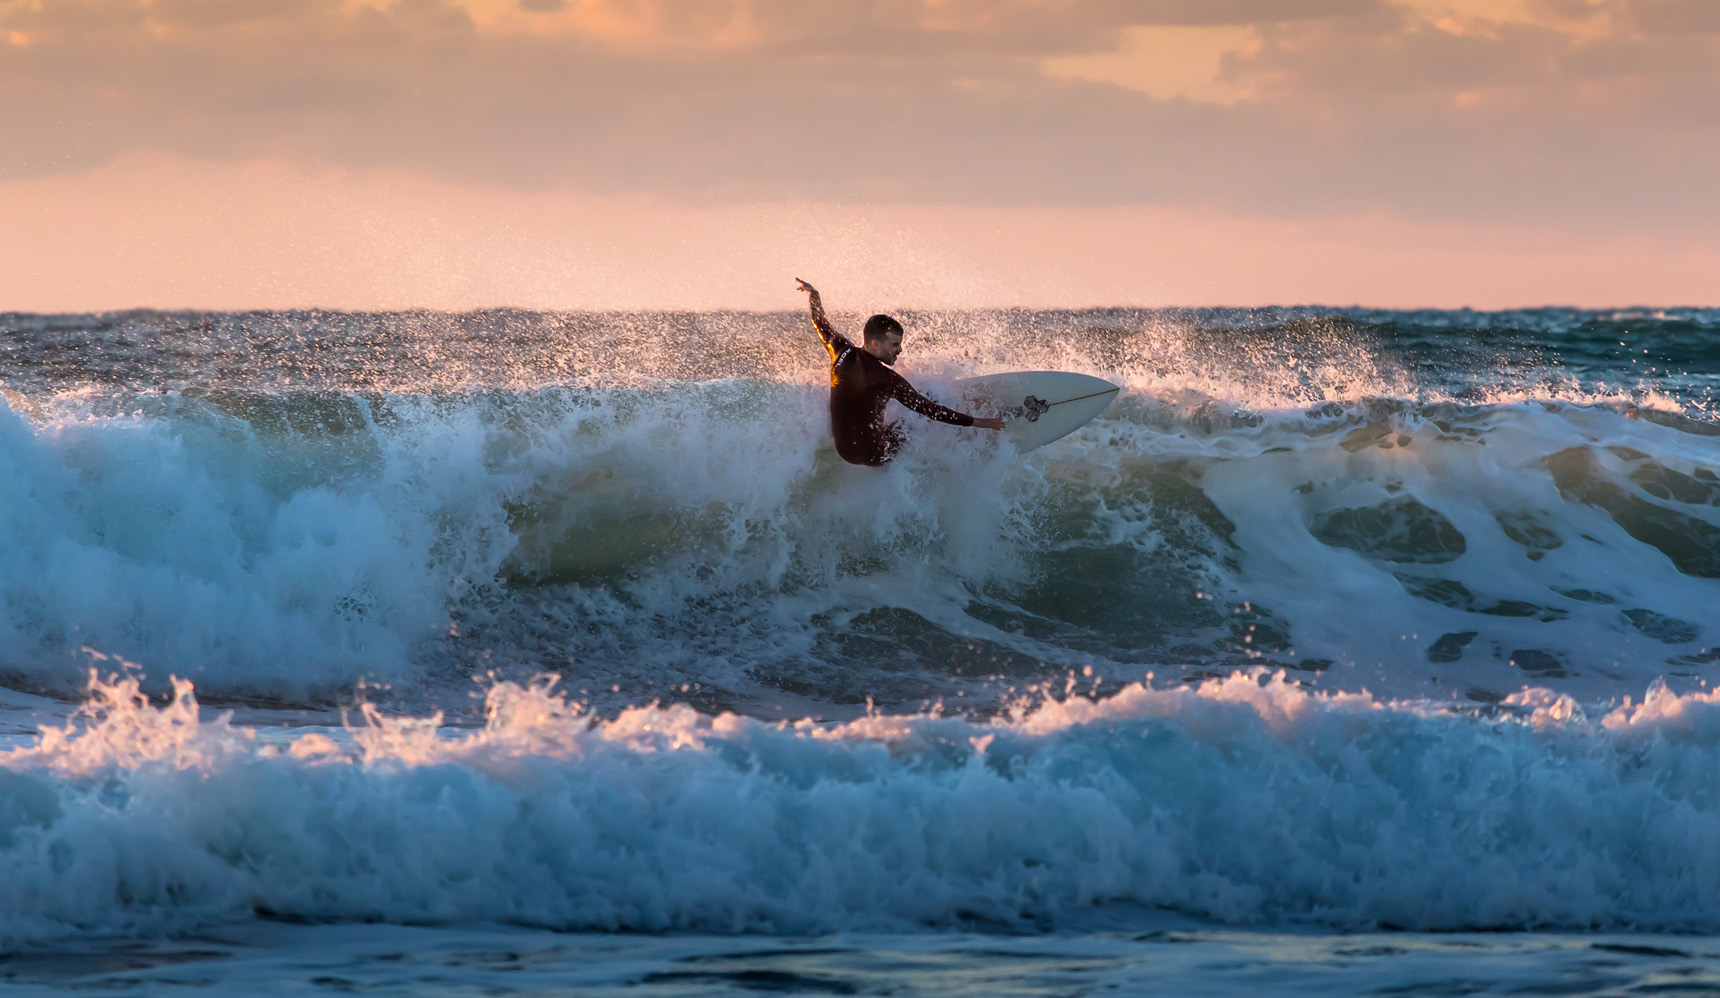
(886,348)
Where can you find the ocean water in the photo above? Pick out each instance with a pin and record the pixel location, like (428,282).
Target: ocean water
(521,653)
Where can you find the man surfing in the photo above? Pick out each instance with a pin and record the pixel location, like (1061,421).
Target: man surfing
(861,384)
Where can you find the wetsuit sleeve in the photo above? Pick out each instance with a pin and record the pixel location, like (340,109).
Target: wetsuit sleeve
(834,341)
(904,393)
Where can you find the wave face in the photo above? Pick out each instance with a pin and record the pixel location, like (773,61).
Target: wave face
(284,506)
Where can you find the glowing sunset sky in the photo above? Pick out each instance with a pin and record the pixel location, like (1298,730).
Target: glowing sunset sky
(700,153)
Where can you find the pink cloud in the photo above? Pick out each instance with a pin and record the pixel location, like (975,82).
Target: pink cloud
(1584,121)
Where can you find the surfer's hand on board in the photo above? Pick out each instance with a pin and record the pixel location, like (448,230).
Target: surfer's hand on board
(988,423)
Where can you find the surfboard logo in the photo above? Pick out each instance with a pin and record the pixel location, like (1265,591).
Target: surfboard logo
(1033,407)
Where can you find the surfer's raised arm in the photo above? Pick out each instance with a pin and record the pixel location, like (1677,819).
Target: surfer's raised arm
(833,340)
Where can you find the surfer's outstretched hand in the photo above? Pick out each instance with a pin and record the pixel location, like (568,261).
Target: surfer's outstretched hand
(803,286)
(988,423)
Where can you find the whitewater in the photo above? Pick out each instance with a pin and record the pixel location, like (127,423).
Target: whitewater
(504,652)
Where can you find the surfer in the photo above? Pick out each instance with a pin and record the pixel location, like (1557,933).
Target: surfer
(861,384)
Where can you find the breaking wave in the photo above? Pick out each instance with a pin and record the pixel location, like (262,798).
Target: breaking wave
(346,501)
(1247,801)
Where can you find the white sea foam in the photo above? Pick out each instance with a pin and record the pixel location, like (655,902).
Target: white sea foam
(1249,801)
(193,542)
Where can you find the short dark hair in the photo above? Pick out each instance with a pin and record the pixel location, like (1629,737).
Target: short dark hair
(880,326)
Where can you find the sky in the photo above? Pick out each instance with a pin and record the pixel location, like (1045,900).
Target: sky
(899,153)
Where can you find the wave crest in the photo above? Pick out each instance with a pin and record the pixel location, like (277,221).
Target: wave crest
(1248,800)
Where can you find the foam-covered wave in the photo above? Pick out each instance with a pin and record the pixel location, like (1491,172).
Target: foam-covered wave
(649,539)
(1248,801)
(284,506)
(265,563)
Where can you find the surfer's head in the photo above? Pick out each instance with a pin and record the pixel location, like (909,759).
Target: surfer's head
(883,338)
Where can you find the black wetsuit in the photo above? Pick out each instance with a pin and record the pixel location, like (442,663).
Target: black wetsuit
(860,386)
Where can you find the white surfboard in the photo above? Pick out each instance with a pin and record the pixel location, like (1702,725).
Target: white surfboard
(1037,406)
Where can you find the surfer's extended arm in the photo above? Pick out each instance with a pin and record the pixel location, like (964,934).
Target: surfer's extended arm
(834,341)
(904,393)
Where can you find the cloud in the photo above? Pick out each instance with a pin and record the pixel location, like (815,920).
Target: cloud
(1674,17)
(1236,12)
(1565,112)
